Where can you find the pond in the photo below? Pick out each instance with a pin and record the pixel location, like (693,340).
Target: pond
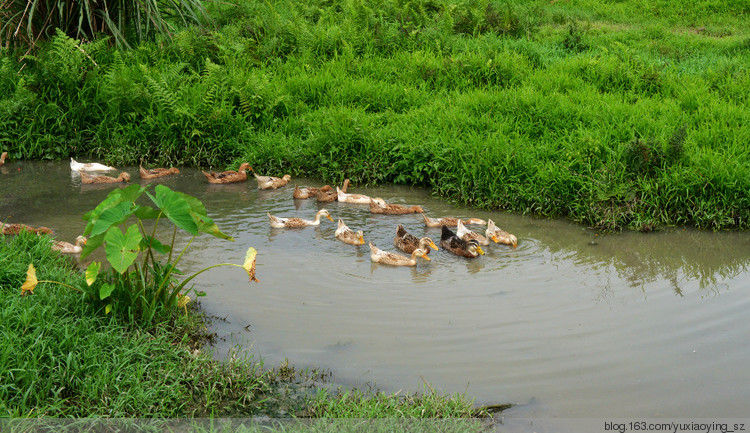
(569,324)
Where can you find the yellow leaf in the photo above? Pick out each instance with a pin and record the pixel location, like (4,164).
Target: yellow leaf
(28,286)
(108,308)
(92,271)
(183,300)
(250,263)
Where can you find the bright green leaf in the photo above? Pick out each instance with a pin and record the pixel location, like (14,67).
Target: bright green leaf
(105,290)
(122,249)
(112,216)
(92,271)
(92,244)
(176,208)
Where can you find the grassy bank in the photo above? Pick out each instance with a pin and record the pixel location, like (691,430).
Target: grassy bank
(613,114)
(62,357)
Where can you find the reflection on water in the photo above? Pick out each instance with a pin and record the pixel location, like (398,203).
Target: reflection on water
(570,322)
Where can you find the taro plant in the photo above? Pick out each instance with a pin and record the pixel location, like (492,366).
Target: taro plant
(140,283)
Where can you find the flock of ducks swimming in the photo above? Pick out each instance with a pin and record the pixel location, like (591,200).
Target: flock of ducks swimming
(462,242)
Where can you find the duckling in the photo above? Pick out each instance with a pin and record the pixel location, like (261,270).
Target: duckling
(352,198)
(279,222)
(407,242)
(229,176)
(2,157)
(348,236)
(270,182)
(14,229)
(153,173)
(467,235)
(500,236)
(395,259)
(89,166)
(68,248)
(309,192)
(449,221)
(89,180)
(328,194)
(458,246)
(379,206)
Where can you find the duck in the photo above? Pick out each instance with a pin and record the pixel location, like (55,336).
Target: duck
(407,242)
(450,221)
(327,194)
(229,176)
(90,180)
(379,206)
(349,236)
(89,166)
(309,192)
(14,229)
(279,222)
(467,235)
(3,156)
(68,248)
(270,182)
(343,197)
(458,246)
(500,236)
(153,173)
(395,259)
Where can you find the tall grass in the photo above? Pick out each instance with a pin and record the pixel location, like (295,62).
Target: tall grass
(613,114)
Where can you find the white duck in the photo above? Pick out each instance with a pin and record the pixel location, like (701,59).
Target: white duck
(68,248)
(279,222)
(89,166)
(354,198)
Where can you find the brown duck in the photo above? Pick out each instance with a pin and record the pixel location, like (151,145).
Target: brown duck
(451,222)
(449,241)
(407,242)
(328,194)
(153,173)
(14,229)
(95,180)
(3,156)
(309,192)
(229,176)
(377,205)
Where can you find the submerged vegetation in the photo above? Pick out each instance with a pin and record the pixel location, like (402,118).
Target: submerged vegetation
(613,114)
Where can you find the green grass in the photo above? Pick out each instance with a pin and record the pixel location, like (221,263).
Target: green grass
(613,114)
(62,357)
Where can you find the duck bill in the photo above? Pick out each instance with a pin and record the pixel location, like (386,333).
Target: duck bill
(480,250)
(427,258)
(329,217)
(361,240)
(495,239)
(432,245)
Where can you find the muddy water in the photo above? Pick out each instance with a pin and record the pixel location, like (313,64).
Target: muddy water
(569,324)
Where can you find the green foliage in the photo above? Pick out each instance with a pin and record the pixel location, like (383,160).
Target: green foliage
(552,108)
(141,290)
(62,358)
